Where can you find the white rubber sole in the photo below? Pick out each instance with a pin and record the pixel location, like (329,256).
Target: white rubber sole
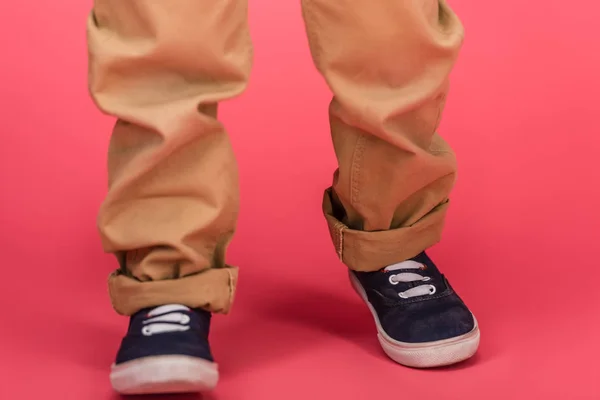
(164,374)
(423,355)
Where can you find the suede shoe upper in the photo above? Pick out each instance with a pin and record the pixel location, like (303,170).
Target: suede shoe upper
(415,303)
(167,330)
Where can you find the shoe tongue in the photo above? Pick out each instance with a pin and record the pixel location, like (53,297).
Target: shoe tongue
(409,264)
(167,308)
(160,310)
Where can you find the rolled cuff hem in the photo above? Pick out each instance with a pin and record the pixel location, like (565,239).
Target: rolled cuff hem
(372,251)
(212,290)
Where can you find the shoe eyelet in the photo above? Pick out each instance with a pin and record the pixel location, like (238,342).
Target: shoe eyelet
(432,290)
(392,281)
(146,331)
(402,295)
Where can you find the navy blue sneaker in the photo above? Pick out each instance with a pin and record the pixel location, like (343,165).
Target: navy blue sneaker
(165,350)
(421,321)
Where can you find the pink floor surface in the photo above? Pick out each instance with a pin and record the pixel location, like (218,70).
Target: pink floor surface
(520,240)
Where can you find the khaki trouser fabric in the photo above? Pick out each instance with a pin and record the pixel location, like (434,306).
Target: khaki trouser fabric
(161,67)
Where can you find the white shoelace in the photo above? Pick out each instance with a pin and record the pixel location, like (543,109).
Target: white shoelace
(168,318)
(420,290)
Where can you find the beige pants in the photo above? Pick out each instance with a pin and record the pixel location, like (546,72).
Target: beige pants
(162,66)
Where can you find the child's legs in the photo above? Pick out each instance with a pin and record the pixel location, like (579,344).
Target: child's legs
(387,63)
(161,67)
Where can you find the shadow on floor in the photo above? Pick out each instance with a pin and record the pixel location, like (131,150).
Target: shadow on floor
(304,317)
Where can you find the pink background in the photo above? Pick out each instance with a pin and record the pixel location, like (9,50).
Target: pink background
(519,243)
